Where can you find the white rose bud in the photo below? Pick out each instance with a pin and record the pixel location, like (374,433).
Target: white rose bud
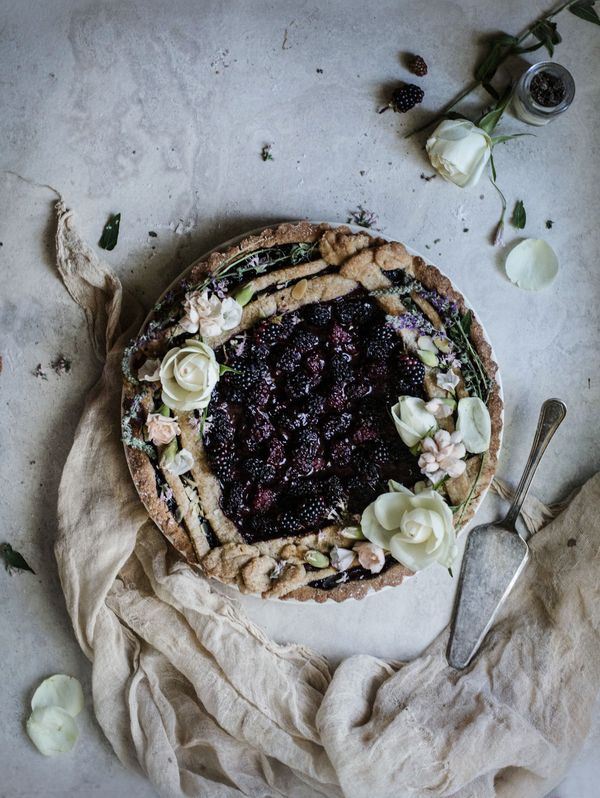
(459,151)
(161,429)
(412,419)
(370,556)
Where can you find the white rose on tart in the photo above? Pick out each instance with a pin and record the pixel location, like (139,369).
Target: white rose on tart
(312,395)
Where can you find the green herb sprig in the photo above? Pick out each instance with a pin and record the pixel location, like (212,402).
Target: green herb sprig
(110,234)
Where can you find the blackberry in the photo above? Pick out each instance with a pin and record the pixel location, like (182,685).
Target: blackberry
(234,500)
(338,336)
(290,359)
(261,393)
(314,365)
(340,453)
(269,333)
(258,470)
(291,420)
(312,511)
(363,311)
(340,366)
(303,488)
(298,386)
(313,406)
(319,315)
(263,500)
(305,340)
(334,491)
(261,526)
(222,463)
(336,425)
(381,343)
(259,430)
(344,311)
(288,523)
(363,434)
(381,452)
(356,389)
(406,97)
(308,442)
(417,66)
(220,430)
(276,452)
(337,396)
(410,375)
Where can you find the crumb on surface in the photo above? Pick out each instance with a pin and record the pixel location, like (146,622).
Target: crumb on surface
(571,542)
(61,365)
(427,178)
(39,372)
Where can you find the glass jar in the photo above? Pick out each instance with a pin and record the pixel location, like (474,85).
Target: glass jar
(532,111)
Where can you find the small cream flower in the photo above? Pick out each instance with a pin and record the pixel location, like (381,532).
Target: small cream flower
(442,455)
(180,464)
(149,371)
(188,375)
(447,380)
(209,314)
(370,556)
(161,429)
(438,408)
(417,530)
(341,559)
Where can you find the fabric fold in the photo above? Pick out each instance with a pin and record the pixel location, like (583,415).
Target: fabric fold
(188,690)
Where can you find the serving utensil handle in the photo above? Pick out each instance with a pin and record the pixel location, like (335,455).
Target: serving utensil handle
(551,417)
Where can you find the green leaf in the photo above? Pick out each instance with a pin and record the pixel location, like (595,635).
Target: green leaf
(519,217)
(465,322)
(547,33)
(450,572)
(223,369)
(12,559)
(584,10)
(110,234)
(489,121)
(501,46)
(502,139)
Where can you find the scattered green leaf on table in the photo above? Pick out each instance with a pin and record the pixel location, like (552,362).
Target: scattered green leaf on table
(14,560)
(110,234)
(519,217)
(547,33)
(585,10)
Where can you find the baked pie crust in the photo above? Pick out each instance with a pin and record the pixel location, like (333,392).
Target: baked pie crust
(342,263)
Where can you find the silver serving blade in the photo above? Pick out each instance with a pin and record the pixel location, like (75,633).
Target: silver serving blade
(493,559)
(495,555)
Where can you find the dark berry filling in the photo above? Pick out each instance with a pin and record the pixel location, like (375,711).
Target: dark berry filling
(303,428)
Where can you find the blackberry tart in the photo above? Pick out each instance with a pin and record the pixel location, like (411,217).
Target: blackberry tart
(311,414)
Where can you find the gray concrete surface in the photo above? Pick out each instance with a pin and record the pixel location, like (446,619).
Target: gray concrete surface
(160,111)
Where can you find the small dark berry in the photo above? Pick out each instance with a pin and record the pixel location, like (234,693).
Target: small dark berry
(410,375)
(339,336)
(233,500)
(305,340)
(319,315)
(289,523)
(290,359)
(303,488)
(339,366)
(263,500)
(340,453)
(381,343)
(312,511)
(418,66)
(406,97)
(258,470)
(337,396)
(314,364)
(336,425)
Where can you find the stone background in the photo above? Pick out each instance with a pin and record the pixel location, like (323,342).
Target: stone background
(159,111)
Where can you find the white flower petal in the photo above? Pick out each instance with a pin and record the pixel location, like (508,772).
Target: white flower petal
(474,424)
(389,509)
(532,264)
(52,730)
(181,463)
(59,691)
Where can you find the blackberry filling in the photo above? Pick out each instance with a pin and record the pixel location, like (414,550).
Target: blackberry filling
(302,427)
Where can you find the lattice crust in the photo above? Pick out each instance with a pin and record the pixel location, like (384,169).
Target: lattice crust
(348,261)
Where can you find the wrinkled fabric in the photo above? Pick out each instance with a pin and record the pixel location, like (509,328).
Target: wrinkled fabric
(197,697)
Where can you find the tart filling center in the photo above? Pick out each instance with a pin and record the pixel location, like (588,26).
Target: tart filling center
(301,429)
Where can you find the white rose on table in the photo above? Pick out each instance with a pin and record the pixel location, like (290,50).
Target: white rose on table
(208,314)
(418,530)
(188,375)
(413,421)
(459,151)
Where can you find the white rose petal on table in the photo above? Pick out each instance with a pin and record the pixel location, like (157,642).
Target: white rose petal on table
(532,264)
(52,730)
(59,691)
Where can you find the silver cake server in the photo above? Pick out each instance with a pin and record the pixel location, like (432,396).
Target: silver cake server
(495,555)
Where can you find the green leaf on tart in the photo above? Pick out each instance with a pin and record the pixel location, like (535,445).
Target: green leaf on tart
(13,560)
(110,234)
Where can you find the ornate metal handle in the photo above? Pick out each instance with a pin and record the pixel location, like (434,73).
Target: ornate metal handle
(551,416)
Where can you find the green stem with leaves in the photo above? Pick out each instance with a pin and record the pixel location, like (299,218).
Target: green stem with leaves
(505,46)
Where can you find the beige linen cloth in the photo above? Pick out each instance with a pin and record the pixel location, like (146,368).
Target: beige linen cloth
(191,692)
